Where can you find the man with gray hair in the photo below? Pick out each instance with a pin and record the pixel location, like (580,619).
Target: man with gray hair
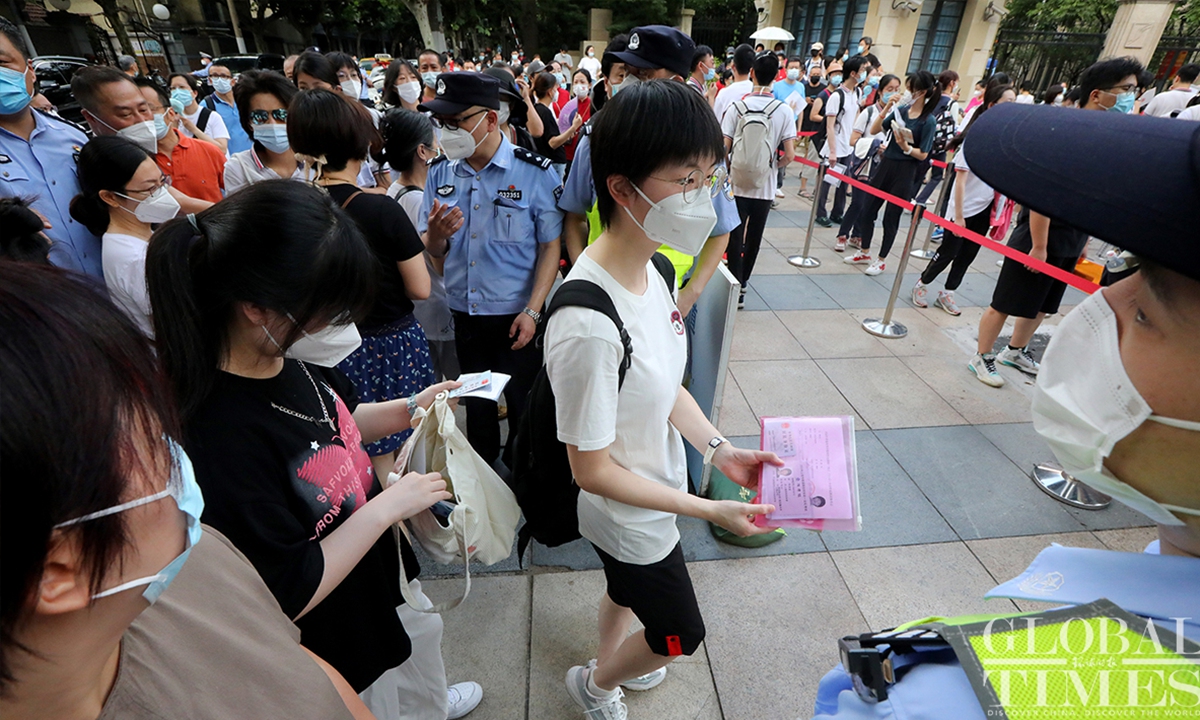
(128,65)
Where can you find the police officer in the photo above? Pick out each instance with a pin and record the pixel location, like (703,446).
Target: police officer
(654,52)
(38,152)
(489,208)
(1118,401)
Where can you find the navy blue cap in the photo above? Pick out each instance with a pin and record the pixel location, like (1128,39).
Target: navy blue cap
(508,86)
(658,46)
(457,91)
(1130,180)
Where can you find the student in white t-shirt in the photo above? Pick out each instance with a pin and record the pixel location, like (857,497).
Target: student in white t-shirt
(743,60)
(626,445)
(195,120)
(121,193)
(754,198)
(973,200)
(841,110)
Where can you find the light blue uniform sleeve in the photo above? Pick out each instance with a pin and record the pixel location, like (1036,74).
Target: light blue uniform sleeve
(727,214)
(578,194)
(547,218)
(928,691)
(427,198)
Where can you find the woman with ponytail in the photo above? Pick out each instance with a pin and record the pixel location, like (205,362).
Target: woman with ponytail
(973,200)
(897,171)
(254,299)
(123,194)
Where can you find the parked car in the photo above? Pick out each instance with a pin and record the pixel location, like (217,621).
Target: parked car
(54,73)
(238,64)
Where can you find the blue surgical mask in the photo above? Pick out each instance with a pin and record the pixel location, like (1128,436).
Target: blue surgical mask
(14,96)
(1124,103)
(222,85)
(180,99)
(183,489)
(273,137)
(793,74)
(160,126)
(835,79)
(429,78)
(709,74)
(887,96)
(873,81)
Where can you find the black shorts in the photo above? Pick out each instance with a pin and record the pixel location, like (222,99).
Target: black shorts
(662,597)
(1024,294)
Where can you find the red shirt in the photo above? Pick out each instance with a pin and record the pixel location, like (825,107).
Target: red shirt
(196,168)
(563,98)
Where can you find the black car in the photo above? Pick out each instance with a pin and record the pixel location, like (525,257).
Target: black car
(54,73)
(238,64)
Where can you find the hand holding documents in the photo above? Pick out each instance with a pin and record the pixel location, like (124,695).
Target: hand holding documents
(486,385)
(817,486)
(898,129)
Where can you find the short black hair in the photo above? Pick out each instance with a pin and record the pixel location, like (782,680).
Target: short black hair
(1106,73)
(650,125)
(794,59)
(702,51)
(192,81)
(1188,73)
(608,59)
(853,65)
(326,123)
(341,60)
(403,132)
(765,68)
(258,82)
(163,98)
(21,237)
(85,411)
(14,36)
(317,66)
(441,56)
(743,59)
(87,81)
(390,95)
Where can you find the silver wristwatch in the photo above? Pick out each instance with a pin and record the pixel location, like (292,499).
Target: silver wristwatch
(537,316)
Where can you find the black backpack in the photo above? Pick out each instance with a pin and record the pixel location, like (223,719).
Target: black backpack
(541,475)
(822,128)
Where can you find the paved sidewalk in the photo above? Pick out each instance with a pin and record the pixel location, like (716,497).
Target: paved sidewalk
(948,507)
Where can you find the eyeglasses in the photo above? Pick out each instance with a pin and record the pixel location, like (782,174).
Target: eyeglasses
(164,181)
(259,117)
(454,123)
(213,76)
(697,182)
(1126,88)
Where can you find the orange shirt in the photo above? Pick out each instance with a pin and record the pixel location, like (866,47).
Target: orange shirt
(196,168)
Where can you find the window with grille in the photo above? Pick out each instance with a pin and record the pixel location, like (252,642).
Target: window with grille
(836,23)
(936,35)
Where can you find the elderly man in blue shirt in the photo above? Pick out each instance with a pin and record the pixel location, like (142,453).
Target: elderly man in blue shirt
(37,158)
(489,209)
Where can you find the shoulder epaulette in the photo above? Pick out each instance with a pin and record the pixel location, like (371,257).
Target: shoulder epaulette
(439,159)
(532,158)
(64,121)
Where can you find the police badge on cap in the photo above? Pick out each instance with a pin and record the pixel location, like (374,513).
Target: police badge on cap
(634,41)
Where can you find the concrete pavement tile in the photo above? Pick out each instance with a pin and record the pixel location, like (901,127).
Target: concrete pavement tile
(1006,558)
(887,394)
(563,634)
(894,510)
(894,585)
(969,319)
(736,417)
(791,292)
(1127,539)
(831,262)
(799,217)
(492,623)
(789,388)
(852,291)
(754,302)
(779,220)
(924,337)
(807,607)
(978,490)
(976,289)
(771,262)
(761,336)
(575,555)
(1022,445)
(978,403)
(832,334)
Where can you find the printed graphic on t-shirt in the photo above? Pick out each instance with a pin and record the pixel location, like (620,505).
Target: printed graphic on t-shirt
(677,322)
(334,479)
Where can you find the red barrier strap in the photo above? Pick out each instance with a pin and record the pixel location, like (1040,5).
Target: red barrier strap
(1024,258)
(809,133)
(939,164)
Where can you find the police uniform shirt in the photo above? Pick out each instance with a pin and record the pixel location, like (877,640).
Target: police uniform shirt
(43,169)
(508,211)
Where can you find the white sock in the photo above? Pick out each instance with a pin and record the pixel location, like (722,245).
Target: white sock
(596,691)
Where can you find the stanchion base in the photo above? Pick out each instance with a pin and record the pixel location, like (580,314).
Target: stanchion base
(922,254)
(801,261)
(879,328)
(1064,488)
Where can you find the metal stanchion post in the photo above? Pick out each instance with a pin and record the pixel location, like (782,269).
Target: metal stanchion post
(885,328)
(925,253)
(804,260)
(1059,485)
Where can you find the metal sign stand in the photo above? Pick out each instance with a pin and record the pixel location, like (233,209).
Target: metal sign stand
(1059,485)
(885,328)
(804,260)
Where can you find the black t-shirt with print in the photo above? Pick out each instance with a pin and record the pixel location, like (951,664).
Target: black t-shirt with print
(393,239)
(276,485)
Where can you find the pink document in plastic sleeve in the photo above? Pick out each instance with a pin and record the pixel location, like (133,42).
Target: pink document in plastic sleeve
(817,486)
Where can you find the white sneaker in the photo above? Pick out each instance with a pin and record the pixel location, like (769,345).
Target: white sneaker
(1021,359)
(876,267)
(919,292)
(858,258)
(462,698)
(779,193)
(945,300)
(984,367)
(642,682)
(610,708)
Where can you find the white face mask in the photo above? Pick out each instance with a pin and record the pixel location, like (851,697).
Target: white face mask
(159,207)
(503,114)
(409,91)
(460,144)
(678,224)
(1084,403)
(141,134)
(351,88)
(326,347)
(581,91)
(628,82)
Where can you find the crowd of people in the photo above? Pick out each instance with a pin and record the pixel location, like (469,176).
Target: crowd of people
(236,290)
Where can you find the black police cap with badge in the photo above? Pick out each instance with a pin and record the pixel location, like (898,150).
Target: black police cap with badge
(658,46)
(457,91)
